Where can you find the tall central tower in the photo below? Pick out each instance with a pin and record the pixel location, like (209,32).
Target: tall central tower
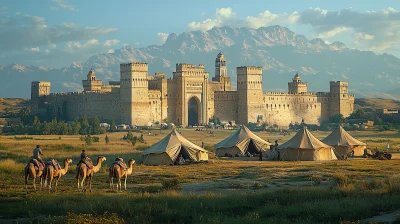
(134,93)
(249,90)
(220,68)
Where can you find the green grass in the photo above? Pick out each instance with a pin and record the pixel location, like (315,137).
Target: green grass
(287,205)
(240,192)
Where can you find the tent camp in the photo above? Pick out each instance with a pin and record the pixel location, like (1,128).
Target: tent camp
(343,143)
(166,151)
(241,142)
(304,146)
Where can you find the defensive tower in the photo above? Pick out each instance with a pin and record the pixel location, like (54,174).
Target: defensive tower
(249,90)
(297,86)
(91,84)
(134,95)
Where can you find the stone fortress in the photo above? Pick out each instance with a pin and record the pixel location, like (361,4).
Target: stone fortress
(190,98)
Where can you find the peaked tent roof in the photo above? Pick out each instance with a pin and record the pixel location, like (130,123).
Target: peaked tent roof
(340,137)
(304,140)
(241,135)
(171,144)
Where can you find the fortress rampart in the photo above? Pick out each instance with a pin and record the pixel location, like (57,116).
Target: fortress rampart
(190,97)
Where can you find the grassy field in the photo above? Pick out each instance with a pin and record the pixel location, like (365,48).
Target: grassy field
(221,191)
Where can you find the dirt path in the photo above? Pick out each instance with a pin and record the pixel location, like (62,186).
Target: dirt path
(383,218)
(234,185)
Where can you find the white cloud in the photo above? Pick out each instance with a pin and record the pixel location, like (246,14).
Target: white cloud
(363,36)
(111,51)
(111,42)
(34,49)
(227,17)
(53,8)
(15,30)
(64,4)
(47,51)
(162,37)
(374,30)
(333,32)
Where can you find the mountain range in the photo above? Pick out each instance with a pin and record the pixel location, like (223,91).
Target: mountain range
(280,52)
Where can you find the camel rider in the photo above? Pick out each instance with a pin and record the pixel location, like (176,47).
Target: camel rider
(121,163)
(85,159)
(37,152)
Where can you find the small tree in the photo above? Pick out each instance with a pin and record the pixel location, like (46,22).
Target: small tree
(129,136)
(107,140)
(36,126)
(133,141)
(84,126)
(76,127)
(96,126)
(88,140)
(141,139)
(112,125)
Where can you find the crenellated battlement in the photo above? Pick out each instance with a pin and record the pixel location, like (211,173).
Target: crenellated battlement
(181,67)
(138,98)
(297,94)
(134,66)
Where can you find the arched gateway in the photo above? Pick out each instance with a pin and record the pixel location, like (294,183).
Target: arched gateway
(194,111)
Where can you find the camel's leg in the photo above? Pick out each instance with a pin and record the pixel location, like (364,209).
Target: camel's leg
(41,183)
(26,182)
(111,183)
(119,185)
(34,183)
(55,187)
(78,183)
(50,180)
(83,187)
(90,184)
(125,182)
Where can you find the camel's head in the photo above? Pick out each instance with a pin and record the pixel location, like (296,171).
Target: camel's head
(69,161)
(102,158)
(131,161)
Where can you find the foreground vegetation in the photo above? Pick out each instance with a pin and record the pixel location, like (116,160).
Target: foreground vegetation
(222,191)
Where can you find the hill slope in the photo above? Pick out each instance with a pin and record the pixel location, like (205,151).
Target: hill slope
(280,51)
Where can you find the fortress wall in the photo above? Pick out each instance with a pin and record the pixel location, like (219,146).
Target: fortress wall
(283,109)
(225,105)
(155,105)
(172,101)
(103,105)
(212,88)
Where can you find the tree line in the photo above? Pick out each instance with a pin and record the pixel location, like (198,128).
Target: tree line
(82,126)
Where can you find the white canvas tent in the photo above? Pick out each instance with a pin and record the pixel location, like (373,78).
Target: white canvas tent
(304,146)
(343,143)
(240,142)
(166,151)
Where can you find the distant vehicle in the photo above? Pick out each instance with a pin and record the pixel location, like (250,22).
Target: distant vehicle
(122,127)
(105,125)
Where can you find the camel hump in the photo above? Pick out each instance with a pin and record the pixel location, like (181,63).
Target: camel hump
(121,164)
(54,163)
(38,165)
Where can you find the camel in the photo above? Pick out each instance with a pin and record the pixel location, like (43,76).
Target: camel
(50,173)
(33,172)
(118,173)
(83,172)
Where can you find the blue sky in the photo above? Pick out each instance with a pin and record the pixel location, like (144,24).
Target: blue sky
(55,33)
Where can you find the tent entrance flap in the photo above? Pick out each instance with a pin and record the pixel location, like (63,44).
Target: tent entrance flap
(185,154)
(252,148)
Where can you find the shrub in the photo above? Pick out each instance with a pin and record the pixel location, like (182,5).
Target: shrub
(170,184)
(257,185)
(341,179)
(72,218)
(316,179)
(96,139)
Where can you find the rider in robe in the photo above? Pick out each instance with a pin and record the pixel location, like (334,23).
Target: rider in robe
(37,152)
